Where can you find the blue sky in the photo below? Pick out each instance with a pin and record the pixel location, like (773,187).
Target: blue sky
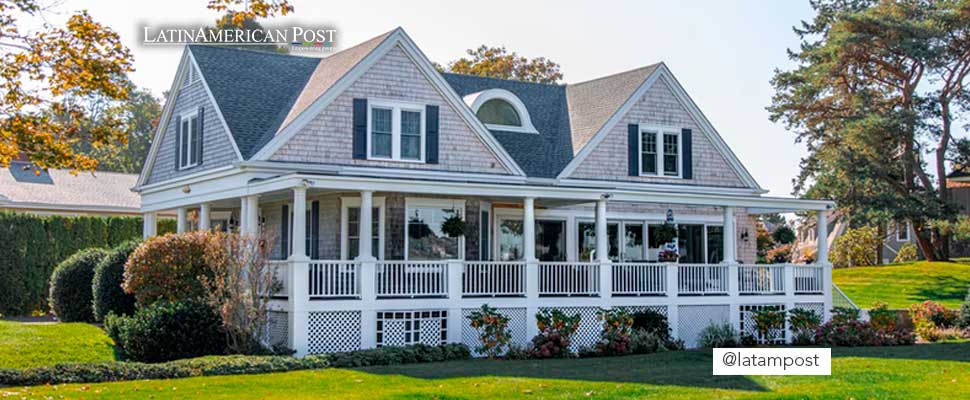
(722,52)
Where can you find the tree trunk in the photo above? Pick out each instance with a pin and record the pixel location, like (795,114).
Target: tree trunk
(881,238)
(925,244)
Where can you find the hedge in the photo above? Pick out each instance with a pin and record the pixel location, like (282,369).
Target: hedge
(109,297)
(32,245)
(70,294)
(227,365)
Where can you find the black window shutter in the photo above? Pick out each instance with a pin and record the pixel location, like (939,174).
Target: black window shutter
(201,134)
(431,135)
(285,232)
(178,142)
(313,250)
(360,129)
(633,149)
(687,144)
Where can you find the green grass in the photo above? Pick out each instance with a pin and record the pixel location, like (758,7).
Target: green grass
(25,345)
(902,285)
(924,371)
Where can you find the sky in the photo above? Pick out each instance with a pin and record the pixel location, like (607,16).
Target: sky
(722,52)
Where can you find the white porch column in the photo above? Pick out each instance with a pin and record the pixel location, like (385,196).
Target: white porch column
(531,266)
(729,250)
(249,216)
(299,268)
(182,224)
(205,220)
(822,259)
(149,225)
(368,271)
(730,236)
(603,251)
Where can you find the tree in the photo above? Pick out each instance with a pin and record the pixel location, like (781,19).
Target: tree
(251,9)
(877,85)
(783,235)
(43,71)
(498,62)
(139,115)
(232,20)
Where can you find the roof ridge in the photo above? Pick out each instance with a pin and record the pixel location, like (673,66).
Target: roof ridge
(503,80)
(613,75)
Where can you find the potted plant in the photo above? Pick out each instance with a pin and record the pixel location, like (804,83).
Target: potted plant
(663,234)
(453,226)
(668,255)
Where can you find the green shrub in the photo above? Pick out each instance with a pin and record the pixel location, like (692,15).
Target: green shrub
(964,321)
(167,268)
(907,253)
(124,371)
(719,335)
(933,321)
(842,315)
(493,330)
(803,324)
(392,355)
(616,336)
(70,286)
(556,328)
(855,248)
(168,331)
(33,245)
(768,321)
(652,322)
(881,317)
(860,333)
(109,274)
(783,235)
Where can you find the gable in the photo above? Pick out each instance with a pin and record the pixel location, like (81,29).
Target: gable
(328,137)
(658,106)
(218,151)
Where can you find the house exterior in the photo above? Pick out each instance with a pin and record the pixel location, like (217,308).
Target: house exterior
(24,189)
(894,236)
(558,189)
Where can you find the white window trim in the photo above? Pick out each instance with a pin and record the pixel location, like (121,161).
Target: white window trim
(458,204)
(902,228)
(497,255)
(475,101)
(484,207)
(347,203)
(659,132)
(189,147)
(396,107)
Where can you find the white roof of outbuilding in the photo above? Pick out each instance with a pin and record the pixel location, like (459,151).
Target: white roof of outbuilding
(22,187)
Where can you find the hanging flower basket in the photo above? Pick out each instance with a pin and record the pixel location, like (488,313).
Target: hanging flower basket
(453,226)
(663,234)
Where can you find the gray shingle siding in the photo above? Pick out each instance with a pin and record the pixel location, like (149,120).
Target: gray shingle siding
(659,107)
(217,149)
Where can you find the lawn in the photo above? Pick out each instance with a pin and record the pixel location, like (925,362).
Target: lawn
(24,345)
(902,285)
(924,371)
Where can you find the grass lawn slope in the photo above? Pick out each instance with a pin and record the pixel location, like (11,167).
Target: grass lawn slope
(902,285)
(24,345)
(926,371)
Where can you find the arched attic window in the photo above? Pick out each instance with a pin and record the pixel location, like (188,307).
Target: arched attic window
(500,110)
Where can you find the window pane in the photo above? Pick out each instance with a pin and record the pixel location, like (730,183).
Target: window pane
(648,158)
(551,240)
(670,154)
(410,123)
(587,241)
(381,132)
(715,244)
(633,242)
(193,154)
(498,112)
(690,241)
(353,232)
(411,147)
(426,241)
(510,240)
(185,142)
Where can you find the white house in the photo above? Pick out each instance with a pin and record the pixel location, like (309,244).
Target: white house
(559,188)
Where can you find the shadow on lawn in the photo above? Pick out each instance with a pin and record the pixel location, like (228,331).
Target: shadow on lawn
(935,351)
(943,288)
(680,368)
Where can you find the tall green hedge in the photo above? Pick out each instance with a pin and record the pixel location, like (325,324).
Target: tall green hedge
(31,245)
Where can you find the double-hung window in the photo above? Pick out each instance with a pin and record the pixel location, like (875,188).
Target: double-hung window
(396,131)
(188,141)
(660,152)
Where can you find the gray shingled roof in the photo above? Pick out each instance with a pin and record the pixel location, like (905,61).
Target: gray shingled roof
(543,155)
(59,189)
(593,102)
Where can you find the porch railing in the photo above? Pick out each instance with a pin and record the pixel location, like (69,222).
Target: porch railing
(808,279)
(569,279)
(334,279)
(701,279)
(639,279)
(761,279)
(281,278)
(493,278)
(412,279)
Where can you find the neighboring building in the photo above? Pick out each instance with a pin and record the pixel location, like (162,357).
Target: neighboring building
(895,236)
(559,188)
(58,192)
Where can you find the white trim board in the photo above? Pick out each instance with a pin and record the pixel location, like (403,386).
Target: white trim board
(705,127)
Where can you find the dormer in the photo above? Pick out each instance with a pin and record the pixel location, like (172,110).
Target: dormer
(500,110)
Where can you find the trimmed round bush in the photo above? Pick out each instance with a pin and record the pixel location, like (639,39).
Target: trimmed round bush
(109,297)
(168,331)
(70,286)
(167,268)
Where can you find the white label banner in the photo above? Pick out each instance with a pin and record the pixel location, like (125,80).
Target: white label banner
(773,361)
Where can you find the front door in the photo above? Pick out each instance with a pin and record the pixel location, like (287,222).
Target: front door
(690,240)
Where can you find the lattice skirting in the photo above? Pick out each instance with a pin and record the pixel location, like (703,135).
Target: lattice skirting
(402,328)
(333,331)
(589,326)
(748,326)
(692,320)
(818,308)
(278,328)
(517,326)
